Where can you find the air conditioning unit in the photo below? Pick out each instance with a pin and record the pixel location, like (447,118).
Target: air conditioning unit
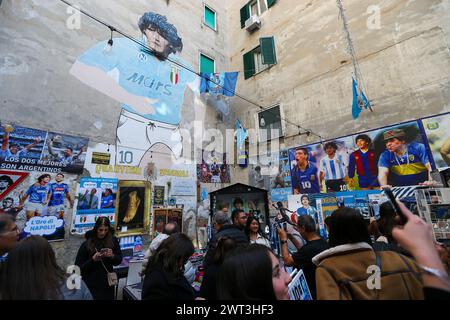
(252,23)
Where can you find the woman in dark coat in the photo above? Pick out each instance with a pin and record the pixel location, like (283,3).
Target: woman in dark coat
(164,276)
(208,290)
(101,245)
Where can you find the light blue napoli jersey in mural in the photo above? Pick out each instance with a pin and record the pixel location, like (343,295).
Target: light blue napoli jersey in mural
(58,192)
(142,74)
(38,194)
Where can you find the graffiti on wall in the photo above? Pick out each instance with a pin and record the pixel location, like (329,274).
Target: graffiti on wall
(150,85)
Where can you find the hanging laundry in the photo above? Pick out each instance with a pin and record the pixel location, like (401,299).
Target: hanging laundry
(219,83)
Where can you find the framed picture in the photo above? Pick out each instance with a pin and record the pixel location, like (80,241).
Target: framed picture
(163,216)
(158,198)
(176,215)
(172,201)
(133,207)
(159,221)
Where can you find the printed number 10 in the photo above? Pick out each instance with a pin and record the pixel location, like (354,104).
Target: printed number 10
(126,157)
(306,184)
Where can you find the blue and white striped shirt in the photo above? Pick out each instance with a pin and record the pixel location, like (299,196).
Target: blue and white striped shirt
(335,168)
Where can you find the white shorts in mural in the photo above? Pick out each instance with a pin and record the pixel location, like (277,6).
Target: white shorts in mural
(54,210)
(35,207)
(139,134)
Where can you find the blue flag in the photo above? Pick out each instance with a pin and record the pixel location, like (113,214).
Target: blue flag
(359,101)
(219,83)
(204,194)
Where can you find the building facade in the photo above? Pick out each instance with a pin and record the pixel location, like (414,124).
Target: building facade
(292,61)
(402,49)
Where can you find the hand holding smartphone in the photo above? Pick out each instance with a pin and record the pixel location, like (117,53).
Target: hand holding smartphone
(388,192)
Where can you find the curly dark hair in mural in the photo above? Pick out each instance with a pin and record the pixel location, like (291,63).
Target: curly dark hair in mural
(159,23)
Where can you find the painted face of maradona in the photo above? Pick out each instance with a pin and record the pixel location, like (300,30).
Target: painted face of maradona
(300,156)
(4,185)
(330,151)
(7,203)
(156,42)
(362,144)
(305,201)
(14,149)
(394,144)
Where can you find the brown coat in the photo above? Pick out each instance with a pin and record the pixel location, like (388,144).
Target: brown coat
(342,274)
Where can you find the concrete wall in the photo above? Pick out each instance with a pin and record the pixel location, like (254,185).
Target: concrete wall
(37,50)
(405,64)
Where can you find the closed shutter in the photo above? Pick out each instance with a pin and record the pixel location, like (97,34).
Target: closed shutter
(210,18)
(249,65)
(271,2)
(245,14)
(206,64)
(268,50)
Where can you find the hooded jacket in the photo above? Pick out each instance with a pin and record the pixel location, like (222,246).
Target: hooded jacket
(347,272)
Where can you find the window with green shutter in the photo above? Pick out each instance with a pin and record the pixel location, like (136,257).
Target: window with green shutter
(270,126)
(249,65)
(260,58)
(210,18)
(245,14)
(271,2)
(255,7)
(206,64)
(268,52)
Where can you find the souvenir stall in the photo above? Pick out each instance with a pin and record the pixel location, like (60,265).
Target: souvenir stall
(433,205)
(252,200)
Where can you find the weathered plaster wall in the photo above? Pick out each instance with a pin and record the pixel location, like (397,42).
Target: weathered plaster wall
(37,50)
(405,64)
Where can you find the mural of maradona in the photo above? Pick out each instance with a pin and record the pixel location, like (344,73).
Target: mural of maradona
(150,87)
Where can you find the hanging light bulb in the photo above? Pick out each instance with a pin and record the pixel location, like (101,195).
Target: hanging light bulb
(109,46)
(262,122)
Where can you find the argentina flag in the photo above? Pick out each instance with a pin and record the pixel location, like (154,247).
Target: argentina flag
(359,101)
(219,83)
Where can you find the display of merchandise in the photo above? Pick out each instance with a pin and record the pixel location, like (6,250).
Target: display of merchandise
(137,246)
(433,205)
(325,207)
(298,287)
